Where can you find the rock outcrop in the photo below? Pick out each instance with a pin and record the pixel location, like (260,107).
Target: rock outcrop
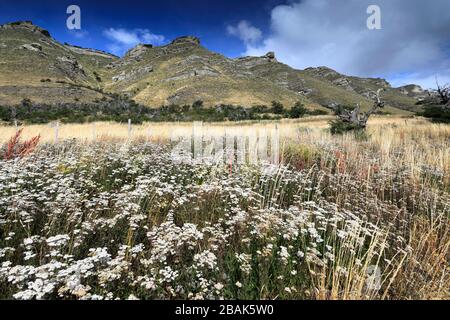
(189,40)
(26,26)
(251,62)
(138,52)
(34,47)
(414,91)
(133,74)
(70,67)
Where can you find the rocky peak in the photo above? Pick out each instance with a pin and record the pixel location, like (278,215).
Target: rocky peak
(27,26)
(250,62)
(187,40)
(322,71)
(137,52)
(270,56)
(413,90)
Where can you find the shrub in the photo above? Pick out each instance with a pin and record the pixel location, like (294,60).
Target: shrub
(17,149)
(338,126)
(26,102)
(97,77)
(173,108)
(438,113)
(339,109)
(297,111)
(259,109)
(277,107)
(197,105)
(317,112)
(115,107)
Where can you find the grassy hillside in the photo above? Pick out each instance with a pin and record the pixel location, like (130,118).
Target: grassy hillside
(37,67)
(33,65)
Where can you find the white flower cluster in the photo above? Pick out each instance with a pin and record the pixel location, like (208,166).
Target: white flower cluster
(102,221)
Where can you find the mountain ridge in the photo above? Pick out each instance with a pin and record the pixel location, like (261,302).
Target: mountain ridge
(38,67)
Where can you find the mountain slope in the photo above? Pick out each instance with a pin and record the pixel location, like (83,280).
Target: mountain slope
(184,71)
(394,97)
(34,65)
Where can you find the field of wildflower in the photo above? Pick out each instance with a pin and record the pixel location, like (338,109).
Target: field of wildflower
(341,217)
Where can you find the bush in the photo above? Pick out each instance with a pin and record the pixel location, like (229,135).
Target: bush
(340,127)
(97,77)
(26,102)
(317,112)
(197,105)
(297,111)
(115,107)
(277,107)
(173,108)
(339,109)
(437,113)
(259,109)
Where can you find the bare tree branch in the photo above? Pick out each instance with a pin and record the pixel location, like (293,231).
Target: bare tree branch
(358,118)
(443,92)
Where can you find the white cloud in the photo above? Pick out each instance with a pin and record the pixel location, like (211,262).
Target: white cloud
(124,39)
(426,81)
(246,32)
(413,44)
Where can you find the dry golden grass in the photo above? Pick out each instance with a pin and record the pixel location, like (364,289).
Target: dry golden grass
(387,135)
(158,131)
(112,130)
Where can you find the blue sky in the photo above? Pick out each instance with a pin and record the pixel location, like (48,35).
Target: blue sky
(413,45)
(171,18)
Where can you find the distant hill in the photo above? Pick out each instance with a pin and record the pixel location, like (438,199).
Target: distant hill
(33,65)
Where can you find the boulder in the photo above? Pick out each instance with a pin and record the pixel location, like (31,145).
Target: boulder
(270,56)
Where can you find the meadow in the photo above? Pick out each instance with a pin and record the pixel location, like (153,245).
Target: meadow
(100,212)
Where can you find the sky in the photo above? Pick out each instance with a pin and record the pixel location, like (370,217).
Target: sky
(411,43)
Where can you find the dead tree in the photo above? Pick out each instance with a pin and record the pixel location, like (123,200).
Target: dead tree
(358,119)
(443,92)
